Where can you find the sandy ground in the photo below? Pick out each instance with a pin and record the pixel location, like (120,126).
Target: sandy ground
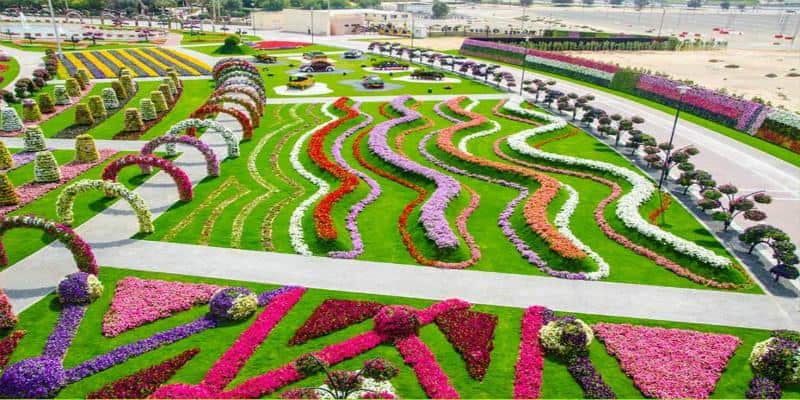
(748,80)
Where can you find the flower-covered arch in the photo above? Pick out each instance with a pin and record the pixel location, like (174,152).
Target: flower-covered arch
(212,163)
(253,109)
(67,198)
(243,90)
(214,126)
(81,252)
(230,63)
(208,109)
(233,73)
(181,179)
(240,81)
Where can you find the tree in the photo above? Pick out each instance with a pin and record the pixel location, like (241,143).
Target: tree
(368,3)
(762,234)
(587,2)
(439,9)
(696,177)
(735,205)
(232,6)
(615,2)
(271,5)
(725,4)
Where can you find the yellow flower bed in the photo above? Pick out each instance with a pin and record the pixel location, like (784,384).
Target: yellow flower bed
(99,64)
(170,55)
(131,60)
(114,60)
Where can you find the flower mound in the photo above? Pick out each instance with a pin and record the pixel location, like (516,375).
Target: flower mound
(235,304)
(669,363)
(396,321)
(566,337)
(32,378)
(471,334)
(79,288)
(140,301)
(143,383)
(333,315)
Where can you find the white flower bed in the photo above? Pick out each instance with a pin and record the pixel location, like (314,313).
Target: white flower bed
(408,78)
(462,144)
(628,205)
(368,384)
(317,89)
(296,220)
(562,223)
(570,67)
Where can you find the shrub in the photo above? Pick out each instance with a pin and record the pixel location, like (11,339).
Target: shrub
(72,87)
(46,104)
(148,109)
(38,83)
(167,93)
(83,115)
(133,121)
(23,87)
(33,139)
(9,96)
(8,193)
(79,80)
(119,90)
(85,149)
(110,100)
(128,85)
(11,121)
(97,107)
(230,44)
(30,111)
(566,337)
(45,168)
(309,364)
(158,101)
(61,95)
(6,161)
(625,80)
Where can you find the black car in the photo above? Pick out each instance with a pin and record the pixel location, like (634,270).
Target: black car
(390,65)
(351,54)
(317,66)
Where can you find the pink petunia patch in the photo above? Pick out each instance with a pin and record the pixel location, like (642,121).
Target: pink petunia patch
(140,301)
(669,363)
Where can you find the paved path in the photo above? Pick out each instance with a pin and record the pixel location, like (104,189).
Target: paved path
(28,61)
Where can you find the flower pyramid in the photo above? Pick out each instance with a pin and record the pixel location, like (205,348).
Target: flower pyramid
(62,98)
(31,111)
(45,168)
(6,161)
(85,149)
(110,100)
(33,139)
(8,194)
(148,109)
(11,121)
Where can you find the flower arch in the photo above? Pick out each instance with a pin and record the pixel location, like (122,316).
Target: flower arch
(240,81)
(212,163)
(244,90)
(181,179)
(232,63)
(81,251)
(253,109)
(235,73)
(227,135)
(208,109)
(67,198)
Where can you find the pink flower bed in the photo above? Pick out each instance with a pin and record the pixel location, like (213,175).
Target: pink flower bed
(528,374)
(430,375)
(550,55)
(32,191)
(140,301)
(669,363)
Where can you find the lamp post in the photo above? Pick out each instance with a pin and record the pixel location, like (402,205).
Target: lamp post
(312,24)
(55,28)
(522,81)
(661,24)
(682,90)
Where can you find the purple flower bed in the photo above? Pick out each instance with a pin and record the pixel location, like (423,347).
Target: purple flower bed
(67,326)
(179,68)
(432,214)
(589,379)
(356,209)
(93,70)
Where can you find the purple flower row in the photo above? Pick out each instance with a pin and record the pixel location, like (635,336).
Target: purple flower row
(432,214)
(67,326)
(23,157)
(374,189)
(592,383)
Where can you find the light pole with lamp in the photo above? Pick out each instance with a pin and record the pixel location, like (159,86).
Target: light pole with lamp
(522,81)
(664,168)
(55,28)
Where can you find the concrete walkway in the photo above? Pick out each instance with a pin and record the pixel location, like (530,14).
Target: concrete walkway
(28,61)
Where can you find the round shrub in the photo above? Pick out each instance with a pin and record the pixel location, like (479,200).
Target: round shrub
(566,337)
(72,87)
(396,321)
(133,120)
(33,378)
(97,107)
(309,364)
(148,109)
(83,115)
(778,359)
(79,288)
(158,101)
(235,303)
(61,95)
(46,104)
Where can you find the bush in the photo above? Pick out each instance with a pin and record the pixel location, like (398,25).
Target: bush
(566,337)
(23,87)
(168,97)
(119,90)
(61,95)
(97,107)
(231,43)
(9,96)
(83,115)
(73,90)
(30,111)
(148,109)
(158,101)
(625,80)
(46,104)
(133,121)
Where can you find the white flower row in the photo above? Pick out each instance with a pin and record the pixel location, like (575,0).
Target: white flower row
(462,144)
(562,223)
(66,198)
(570,67)
(628,205)
(296,220)
(368,385)
(785,117)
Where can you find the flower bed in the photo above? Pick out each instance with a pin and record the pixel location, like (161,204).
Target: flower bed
(333,315)
(146,62)
(143,383)
(530,363)
(278,45)
(471,333)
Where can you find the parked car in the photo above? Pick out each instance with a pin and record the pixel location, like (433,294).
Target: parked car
(492,68)
(300,81)
(314,55)
(265,58)
(390,66)
(427,75)
(446,60)
(317,66)
(372,82)
(351,54)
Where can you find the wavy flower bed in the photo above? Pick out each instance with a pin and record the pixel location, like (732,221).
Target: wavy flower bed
(669,363)
(31,191)
(628,205)
(432,213)
(333,315)
(433,380)
(323,221)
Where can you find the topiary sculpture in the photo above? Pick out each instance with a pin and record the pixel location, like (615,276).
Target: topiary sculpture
(83,115)
(148,109)
(85,149)
(97,107)
(45,168)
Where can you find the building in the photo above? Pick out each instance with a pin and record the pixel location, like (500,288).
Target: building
(268,20)
(345,21)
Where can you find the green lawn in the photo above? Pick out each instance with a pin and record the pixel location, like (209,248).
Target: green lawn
(752,141)
(9,74)
(217,50)
(195,94)
(378,221)
(66,117)
(20,243)
(213,37)
(39,319)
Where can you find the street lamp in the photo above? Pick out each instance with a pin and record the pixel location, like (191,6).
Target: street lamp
(55,27)
(682,90)
(522,81)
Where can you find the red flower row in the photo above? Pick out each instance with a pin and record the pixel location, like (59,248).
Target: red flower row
(322,212)
(7,317)
(333,315)
(530,363)
(142,384)
(7,346)
(471,334)
(208,109)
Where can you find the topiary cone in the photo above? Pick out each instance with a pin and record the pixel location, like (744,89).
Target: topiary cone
(119,90)
(6,161)
(83,116)
(158,101)
(127,84)
(33,139)
(97,107)
(172,87)
(31,111)
(8,193)
(85,149)
(45,168)
(148,109)
(46,104)
(79,80)
(71,85)
(167,93)
(84,76)
(61,95)
(133,120)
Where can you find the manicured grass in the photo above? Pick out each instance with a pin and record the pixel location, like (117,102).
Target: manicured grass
(39,319)
(280,75)
(214,37)
(8,75)
(220,51)
(66,117)
(195,94)
(752,141)
(68,46)
(20,243)
(305,49)
(114,123)
(378,222)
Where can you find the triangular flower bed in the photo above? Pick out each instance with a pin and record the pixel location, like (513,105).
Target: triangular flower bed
(333,315)
(669,363)
(7,346)
(140,301)
(471,334)
(142,384)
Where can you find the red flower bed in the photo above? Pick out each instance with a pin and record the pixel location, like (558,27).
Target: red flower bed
(333,315)
(322,212)
(208,109)
(7,317)
(278,44)
(7,346)
(143,383)
(471,334)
